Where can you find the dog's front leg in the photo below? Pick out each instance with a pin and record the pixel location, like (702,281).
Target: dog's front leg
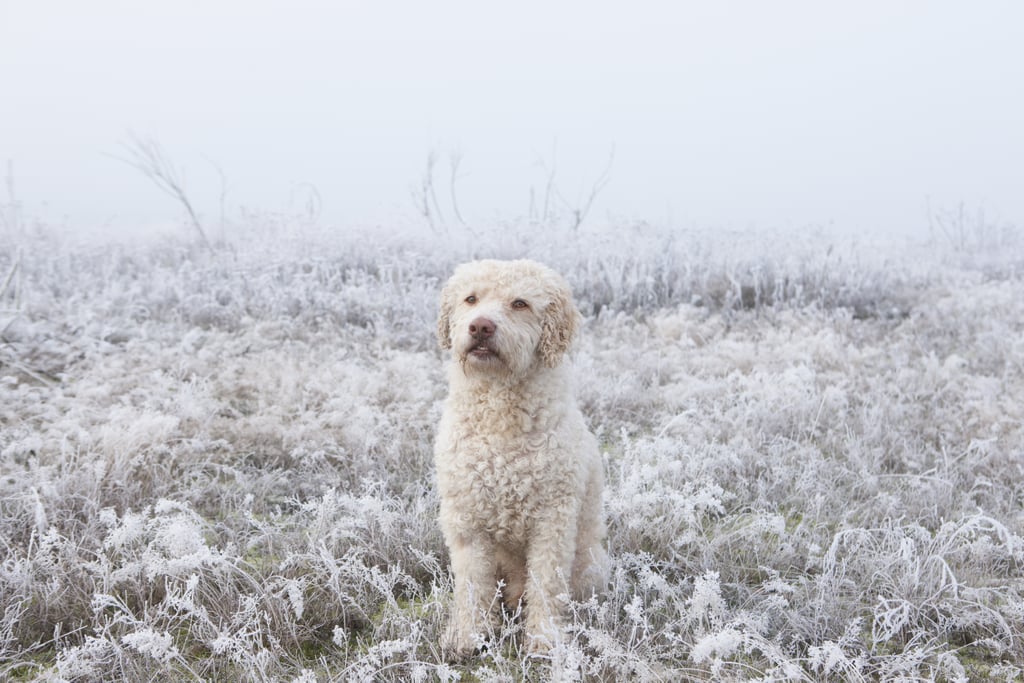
(474,565)
(549,566)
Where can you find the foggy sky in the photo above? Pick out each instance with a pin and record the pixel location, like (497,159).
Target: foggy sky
(734,114)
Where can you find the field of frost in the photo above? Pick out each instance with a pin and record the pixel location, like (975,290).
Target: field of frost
(215,464)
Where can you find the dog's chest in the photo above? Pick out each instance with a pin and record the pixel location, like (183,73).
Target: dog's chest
(504,485)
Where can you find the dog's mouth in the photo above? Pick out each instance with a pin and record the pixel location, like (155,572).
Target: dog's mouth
(481,351)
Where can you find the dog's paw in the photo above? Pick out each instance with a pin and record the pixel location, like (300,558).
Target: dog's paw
(458,644)
(541,638)
(537,646)
(456,653)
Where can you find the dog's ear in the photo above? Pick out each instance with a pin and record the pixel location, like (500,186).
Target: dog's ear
(558,328)
(444,316)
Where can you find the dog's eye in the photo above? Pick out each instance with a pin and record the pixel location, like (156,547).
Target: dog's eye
(471,299)
(519,303)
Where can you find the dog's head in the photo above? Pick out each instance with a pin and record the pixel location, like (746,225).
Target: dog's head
(506,316)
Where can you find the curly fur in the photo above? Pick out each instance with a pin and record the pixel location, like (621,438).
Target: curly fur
(519,474)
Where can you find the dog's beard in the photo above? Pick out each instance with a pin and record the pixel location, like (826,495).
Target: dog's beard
(481,356)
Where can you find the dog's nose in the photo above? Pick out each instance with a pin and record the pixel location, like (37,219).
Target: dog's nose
(481,328)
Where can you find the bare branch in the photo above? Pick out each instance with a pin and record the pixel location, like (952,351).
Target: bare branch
(454,161)
(580,211)
(425,197)
(599,184)
(10,213)
(428,180)
(146,156)
(311,202)
(549,188)
(10,276)
(421,200)
(223,195)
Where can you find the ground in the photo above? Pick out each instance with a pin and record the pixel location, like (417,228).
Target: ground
(215,464)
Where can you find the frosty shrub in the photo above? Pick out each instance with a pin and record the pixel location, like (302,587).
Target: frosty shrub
(216,464)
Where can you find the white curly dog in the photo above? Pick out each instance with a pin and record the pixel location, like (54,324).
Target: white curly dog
(519,474)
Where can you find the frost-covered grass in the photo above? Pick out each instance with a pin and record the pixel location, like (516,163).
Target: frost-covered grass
(217,466)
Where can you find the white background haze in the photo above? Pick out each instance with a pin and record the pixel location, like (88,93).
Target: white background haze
(737,114)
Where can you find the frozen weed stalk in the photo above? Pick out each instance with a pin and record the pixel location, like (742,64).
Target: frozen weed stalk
(218,464)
